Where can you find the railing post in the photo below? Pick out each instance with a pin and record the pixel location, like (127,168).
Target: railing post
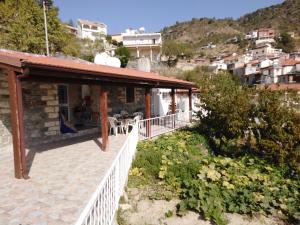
(104,118)
(148,111)
(190,104)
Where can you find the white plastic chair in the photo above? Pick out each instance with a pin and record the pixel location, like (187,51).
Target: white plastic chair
(117,116)
(131,123)
(114,125)
(124,113)
(139,114)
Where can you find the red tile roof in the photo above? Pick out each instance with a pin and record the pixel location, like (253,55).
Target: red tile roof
(289,62)
(23,60)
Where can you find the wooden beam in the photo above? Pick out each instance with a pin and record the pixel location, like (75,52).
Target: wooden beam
(173,105)
(148,110)
(104,117)
(190,100)
(17,123)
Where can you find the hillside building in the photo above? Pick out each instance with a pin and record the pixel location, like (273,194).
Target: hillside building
(141,44)
(91,30)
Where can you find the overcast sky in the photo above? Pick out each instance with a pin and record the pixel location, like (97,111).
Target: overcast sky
(153,14)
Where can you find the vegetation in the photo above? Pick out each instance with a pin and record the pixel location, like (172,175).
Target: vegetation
(90,48)
(286,43)
(197,33)
(22,28)
(212,185)
(241,120)
(123,54)
(173,50)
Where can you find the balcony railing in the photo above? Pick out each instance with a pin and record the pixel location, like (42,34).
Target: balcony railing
(103,205)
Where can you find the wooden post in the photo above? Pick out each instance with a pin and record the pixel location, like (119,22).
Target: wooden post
(190,103)
(104,117)
(148,110)
(17,124)
(173,105)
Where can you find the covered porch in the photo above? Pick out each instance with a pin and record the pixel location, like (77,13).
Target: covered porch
(34,83)
(65,172)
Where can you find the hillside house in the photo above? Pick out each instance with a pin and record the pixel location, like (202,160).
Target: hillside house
(266,33)
(141,44)
(265,51)
(39,92)
(91,30)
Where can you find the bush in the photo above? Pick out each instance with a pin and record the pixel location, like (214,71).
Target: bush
(212,185)
(241,120)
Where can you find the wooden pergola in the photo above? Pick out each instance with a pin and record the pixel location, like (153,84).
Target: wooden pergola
(37,68)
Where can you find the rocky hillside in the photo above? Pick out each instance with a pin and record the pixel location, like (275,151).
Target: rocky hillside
(284,17)
(200,32)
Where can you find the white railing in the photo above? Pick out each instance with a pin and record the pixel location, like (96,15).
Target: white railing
(103,205)
(153,127)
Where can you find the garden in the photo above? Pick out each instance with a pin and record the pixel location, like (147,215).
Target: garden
(182,166)
(242,156)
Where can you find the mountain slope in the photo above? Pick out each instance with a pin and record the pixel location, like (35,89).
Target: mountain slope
(200,32)
(284,17)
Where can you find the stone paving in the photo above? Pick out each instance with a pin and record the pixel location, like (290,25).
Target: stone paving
(63,177)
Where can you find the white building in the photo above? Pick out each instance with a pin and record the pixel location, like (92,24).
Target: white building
(265,51)
(142,44)
(252,35)
(219,66)
(91,30)
(161,102)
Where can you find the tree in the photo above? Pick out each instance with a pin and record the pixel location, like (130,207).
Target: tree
(90,48)
(123,54)
(22,28)
(285,42)
(173,50)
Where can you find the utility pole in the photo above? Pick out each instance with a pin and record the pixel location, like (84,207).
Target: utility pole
(46,29)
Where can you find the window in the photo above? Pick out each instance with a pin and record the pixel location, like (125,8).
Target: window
(86,26)
(63,100)
(94,28)
(130,98)
(154,41)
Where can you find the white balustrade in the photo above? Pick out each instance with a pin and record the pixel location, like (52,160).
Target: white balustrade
(103,205)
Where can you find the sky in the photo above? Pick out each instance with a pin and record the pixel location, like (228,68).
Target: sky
(153,14)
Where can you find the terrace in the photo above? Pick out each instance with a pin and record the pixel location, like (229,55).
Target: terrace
(56,179)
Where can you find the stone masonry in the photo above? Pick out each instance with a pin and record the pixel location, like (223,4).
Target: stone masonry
(41,111)
(117,101)
(5,127)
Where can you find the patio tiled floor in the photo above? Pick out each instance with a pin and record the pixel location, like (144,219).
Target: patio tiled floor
(63,178)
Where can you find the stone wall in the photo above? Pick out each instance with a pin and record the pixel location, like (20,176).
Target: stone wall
(5,124)
(41,108)
(41,111)
(117,101)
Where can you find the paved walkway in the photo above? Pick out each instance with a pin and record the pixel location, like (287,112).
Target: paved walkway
(63,178)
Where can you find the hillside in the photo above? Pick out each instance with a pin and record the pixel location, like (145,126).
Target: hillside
(200,32)
(284,17)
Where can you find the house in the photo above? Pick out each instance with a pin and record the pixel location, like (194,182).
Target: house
(71,29)
(117,37)
(252,35)
(252,72)
(218,65)
(265,51)
(91,30)
(142,44)
(290,71)
(266,33)
(161,99)
(38,92)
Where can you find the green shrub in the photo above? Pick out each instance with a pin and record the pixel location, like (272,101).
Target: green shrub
(212,185)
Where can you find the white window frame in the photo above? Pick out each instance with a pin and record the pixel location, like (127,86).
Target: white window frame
(68,100)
